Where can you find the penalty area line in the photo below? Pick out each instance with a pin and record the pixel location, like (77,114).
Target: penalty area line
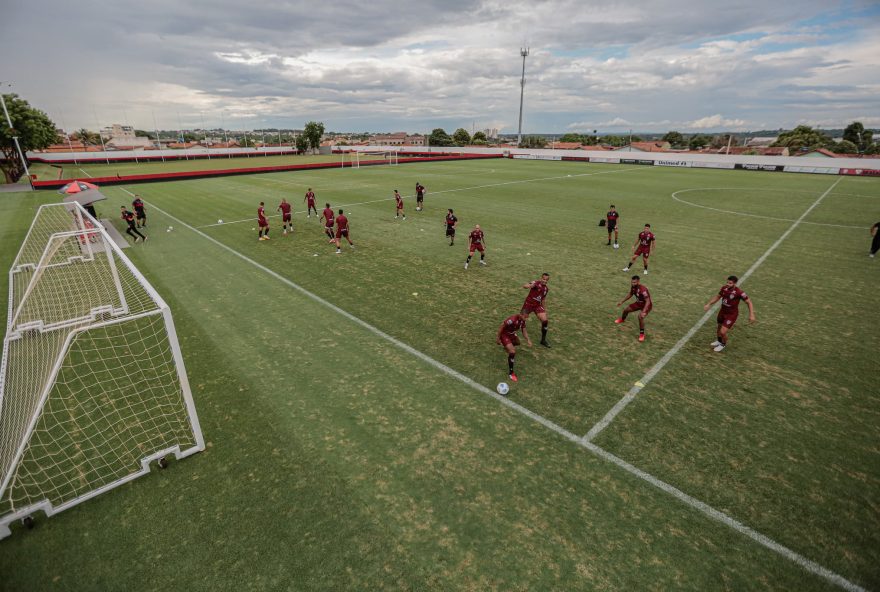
(716,515)
(656,368)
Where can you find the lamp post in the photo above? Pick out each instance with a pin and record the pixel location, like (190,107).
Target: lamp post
(524,52)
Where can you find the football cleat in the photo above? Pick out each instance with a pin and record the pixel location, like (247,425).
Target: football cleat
(482,262)
(719,347)
(626,269)
(618,321)
(641,337)
(513,377)
(644,272)
(465,265)
(715,343)
(545,344)
(338,251)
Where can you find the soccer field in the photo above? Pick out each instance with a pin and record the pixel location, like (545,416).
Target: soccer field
(352,442)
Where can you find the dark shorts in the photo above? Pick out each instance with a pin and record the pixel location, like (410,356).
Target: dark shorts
(311,204)
(528,308)
(342,233)
(727,320)
(140,214)
(643,251)
(285,218)
(509,339)
(329,225)
(477,247)
(420,198)
(263,223)
(612,225)
(450,231)
(638,306)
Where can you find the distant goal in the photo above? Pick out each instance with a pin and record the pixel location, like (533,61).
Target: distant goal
(354,158)
(92,382)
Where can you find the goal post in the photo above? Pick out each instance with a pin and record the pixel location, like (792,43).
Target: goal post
(92,382)
(352,157)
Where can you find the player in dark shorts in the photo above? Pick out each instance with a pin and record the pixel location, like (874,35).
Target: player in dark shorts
(611,218)
(535,303)
(286,220)
(730,296)
(507,337)
(139,213)
(132,230)
(477,243)
(342,231)
(875,243)
(399,201)
(643,304)
(327,217)
(310,203)
(643,246)
(263,223)
(420,197)
(451,221)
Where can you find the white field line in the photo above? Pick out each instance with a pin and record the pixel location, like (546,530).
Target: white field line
(696,205)
(644,380)
(444,191)
(85,173)
(705,509)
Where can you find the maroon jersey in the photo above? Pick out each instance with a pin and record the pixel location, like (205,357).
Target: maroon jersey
(476,237)
(341,222)
(646,237)
(512,324)
(328,216)
(137,204)
(451,220)
(537,293)
(261,214)
(420,190)
(612,217)
(641,293)
(730,297)
(310,196)
(285,208)
(128,217)
(399,201)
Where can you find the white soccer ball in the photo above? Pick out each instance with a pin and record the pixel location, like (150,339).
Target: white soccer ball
(502,388)
(418,209)
(219,221)
(616,246)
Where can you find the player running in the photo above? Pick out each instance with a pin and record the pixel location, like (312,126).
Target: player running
(875,242)
(139,213)
(286,220)
(399,199)
(643,304)
(729,295)
(508,338)
(451,222)
(132,229)
(341,231)
(611,218)
(477,243)
(420,197)
(643,246)
(310,203)
(263,223)
(535,303)
(327,217)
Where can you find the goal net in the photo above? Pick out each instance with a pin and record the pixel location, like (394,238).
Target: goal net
(356,158)
(92,383)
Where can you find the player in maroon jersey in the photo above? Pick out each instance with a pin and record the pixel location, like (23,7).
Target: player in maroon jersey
(451,222)
(643,304)
(535,303)
(508,338)
(477,243)
(611,222)
(399,199)
(420,197)
(643,246)
(341,231)
(310,203)
(263,223)
(139,212)
(327,217)
(131,230)
(730,296)
(286,221)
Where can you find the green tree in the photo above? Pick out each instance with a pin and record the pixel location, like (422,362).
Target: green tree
(845,147)
(722,140)
(479,137)
(676,139)
(461,137)
(873,148)
(87,138)
(34,130)
(439,137)
(803,138)
(143,134)
(302,143)
(314,131)
(533,142)
(856,134)
(699,141)
(570,137)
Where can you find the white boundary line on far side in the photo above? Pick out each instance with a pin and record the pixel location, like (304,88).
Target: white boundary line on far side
(806,564)
(644,380)
(642,168)
(85,172)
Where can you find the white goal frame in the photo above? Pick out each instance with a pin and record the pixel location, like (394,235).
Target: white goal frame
(70,236)
(354,159)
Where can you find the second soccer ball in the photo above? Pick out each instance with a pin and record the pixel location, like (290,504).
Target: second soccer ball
(502,388)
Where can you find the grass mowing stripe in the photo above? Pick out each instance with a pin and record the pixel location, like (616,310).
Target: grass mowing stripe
(435,193)
(644,380)
(806,564)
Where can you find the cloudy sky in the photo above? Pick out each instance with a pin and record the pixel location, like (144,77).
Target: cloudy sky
(389,65)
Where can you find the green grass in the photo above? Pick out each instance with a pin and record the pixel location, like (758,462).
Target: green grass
(86,171)
(338,461)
